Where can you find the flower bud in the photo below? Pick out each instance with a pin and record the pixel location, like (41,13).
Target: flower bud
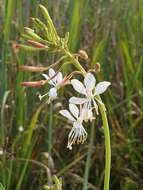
(28,48)
(83,54)
(31,33)
(36,44)
(32,68)
(33,83)
(49,22)
(42,27)
(97,67)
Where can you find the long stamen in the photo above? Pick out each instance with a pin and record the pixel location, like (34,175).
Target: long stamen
(42,96)
(77,135)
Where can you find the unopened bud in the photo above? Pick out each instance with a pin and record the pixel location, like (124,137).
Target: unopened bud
(97,67)
(49,21)
(27,48)
(83,54)
(27,29)
(31,33)
(34,83)
(32,68)
(36,44)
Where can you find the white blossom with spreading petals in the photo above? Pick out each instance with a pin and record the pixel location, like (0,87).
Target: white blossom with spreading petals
(77,133)
(89,90)
(54,82)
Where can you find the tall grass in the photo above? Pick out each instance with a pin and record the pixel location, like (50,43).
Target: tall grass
(111,33)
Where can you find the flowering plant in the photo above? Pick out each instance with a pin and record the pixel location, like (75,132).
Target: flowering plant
(81,109)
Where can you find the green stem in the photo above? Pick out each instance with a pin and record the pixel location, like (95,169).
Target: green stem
(50,128)
(74,61)
(107,145)
(105,125)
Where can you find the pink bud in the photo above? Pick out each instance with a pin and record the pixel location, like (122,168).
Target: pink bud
(36,44)
(33,83)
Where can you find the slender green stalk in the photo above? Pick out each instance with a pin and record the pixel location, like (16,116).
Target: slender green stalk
(27,148)
(6,35)
(74,61)
(2,134)
(21,178)
(9,178)
(73,163)
(2,129)
(35,162)
(107,145)
(88,161)
(50,128)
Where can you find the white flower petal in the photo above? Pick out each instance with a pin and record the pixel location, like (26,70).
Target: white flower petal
(101,87)
(67,114)
(45,76)
(51,74)
(53,93)
(75,100)
(74,110)
(89,82)
(78,86)
(59,77)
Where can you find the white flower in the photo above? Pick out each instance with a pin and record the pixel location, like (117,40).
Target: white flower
(55,82)
(89,90)
(56,79)
(77,133)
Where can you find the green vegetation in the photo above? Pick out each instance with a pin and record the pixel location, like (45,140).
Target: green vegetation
(33,136)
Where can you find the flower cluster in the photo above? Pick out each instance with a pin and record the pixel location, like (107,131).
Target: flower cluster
(81,109)
(84,112)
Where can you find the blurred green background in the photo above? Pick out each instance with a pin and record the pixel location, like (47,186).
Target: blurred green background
(111,31)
